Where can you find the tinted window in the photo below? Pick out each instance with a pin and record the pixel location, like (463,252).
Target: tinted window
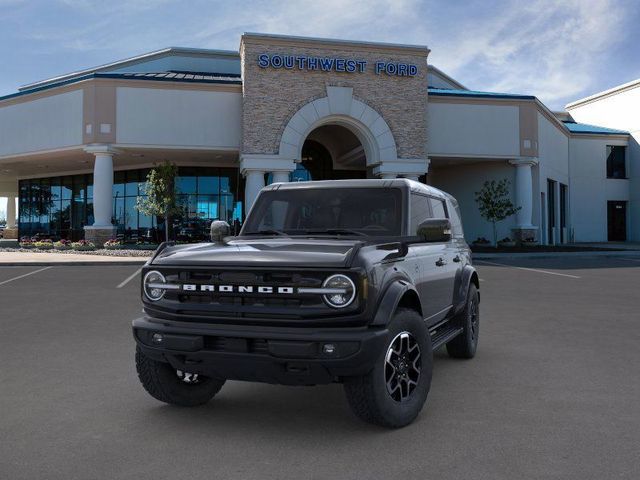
(438,208)
(370,211)
(455,218)
(419,212)
(616,163)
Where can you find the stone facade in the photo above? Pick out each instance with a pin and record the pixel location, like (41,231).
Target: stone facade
(271,96)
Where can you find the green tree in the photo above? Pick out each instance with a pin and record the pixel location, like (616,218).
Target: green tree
(494,203)
(160,195)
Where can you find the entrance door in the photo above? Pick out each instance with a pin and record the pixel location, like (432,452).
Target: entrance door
(551,211)
(563,213)
(617,221)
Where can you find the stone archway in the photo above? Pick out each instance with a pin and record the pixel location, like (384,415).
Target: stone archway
(340,108)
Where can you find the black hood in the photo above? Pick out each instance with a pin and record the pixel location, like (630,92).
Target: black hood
(268,252)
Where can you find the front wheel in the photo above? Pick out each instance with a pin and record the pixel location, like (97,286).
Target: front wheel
(172,386)
(393,393)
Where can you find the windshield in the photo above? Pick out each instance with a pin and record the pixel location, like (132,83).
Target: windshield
(330,211)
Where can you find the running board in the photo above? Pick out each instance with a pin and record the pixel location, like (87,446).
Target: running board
(444,334)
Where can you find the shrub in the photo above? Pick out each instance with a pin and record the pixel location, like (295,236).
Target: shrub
(113,244)
(62,244)
(481,241)
(43,244)
(83,245)
(26,243)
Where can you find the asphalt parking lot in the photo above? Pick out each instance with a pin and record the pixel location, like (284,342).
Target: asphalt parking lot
(552,393)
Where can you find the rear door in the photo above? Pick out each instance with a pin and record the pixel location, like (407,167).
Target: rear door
(446,263)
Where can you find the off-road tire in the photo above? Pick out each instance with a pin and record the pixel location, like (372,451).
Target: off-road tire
(163,383)
(466,344)
(368,396)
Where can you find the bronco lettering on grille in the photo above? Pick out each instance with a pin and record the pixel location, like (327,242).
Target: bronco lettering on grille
(264,289)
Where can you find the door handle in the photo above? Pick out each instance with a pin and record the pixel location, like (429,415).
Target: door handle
(456,259)
(440,262)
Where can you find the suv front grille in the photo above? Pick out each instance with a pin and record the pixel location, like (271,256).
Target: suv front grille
(206,300)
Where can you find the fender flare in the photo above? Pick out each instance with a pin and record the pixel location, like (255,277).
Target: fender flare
(469,276)
(390,301)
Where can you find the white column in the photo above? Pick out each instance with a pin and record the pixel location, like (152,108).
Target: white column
(280,176)
(254,183)
(11,211)
(524,191)
(103,190)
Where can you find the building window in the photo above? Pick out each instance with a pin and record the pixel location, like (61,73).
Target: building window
(616,161)
(60,207)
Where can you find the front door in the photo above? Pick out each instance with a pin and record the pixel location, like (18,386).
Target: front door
(617,221)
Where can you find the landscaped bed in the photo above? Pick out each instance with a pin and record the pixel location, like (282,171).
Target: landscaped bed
(102,251)
(541,249)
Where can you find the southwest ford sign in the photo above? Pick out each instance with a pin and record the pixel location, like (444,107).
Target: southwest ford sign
(332,64)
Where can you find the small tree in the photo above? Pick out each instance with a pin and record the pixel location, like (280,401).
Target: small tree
(160,194)
(494,203)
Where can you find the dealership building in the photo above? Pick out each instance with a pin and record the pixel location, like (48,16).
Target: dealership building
(75,149)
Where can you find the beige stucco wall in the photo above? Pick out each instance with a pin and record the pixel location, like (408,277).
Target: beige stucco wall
(189,118)
(271,96)
(44,123)
(473,129)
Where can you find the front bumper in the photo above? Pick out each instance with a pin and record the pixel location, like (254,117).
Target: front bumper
(290,356)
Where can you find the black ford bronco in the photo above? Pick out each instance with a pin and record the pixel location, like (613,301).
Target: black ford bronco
(350,281)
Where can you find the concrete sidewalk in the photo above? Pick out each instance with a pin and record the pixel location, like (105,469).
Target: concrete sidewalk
(36,258)
(635,254)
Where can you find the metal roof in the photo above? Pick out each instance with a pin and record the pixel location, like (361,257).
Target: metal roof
(132,61)
(450,92)
(225,78)
(585,128)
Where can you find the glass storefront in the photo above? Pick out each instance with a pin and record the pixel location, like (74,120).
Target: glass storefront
(60,207)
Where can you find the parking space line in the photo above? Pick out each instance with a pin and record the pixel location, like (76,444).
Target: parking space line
(129,278)
(25,275)
(528,269)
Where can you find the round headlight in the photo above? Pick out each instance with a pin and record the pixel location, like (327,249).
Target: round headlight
(151,285)
(344,291)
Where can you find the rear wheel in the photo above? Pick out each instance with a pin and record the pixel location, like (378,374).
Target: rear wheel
(466,344)
(172,386)
(393,393)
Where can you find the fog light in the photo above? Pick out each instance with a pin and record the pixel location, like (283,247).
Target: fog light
(157,338)
(328,348)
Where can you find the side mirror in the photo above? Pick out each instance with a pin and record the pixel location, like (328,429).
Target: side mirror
(435,230)
(219,230)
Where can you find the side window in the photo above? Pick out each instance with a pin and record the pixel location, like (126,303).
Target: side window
(455,218)
(438,208)
(420,211)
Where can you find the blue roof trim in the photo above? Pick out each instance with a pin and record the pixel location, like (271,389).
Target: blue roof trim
(585,128)
(162,77)
(450,92)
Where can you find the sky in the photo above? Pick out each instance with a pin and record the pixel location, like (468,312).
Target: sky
(557,50)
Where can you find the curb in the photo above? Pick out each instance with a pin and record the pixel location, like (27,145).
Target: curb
(88,263)
(616,253)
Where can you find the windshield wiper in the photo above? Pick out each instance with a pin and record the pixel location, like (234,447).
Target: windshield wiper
(266,232)
(335,231)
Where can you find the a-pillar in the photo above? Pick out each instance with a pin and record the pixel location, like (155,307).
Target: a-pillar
(102,228)
(524,229)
